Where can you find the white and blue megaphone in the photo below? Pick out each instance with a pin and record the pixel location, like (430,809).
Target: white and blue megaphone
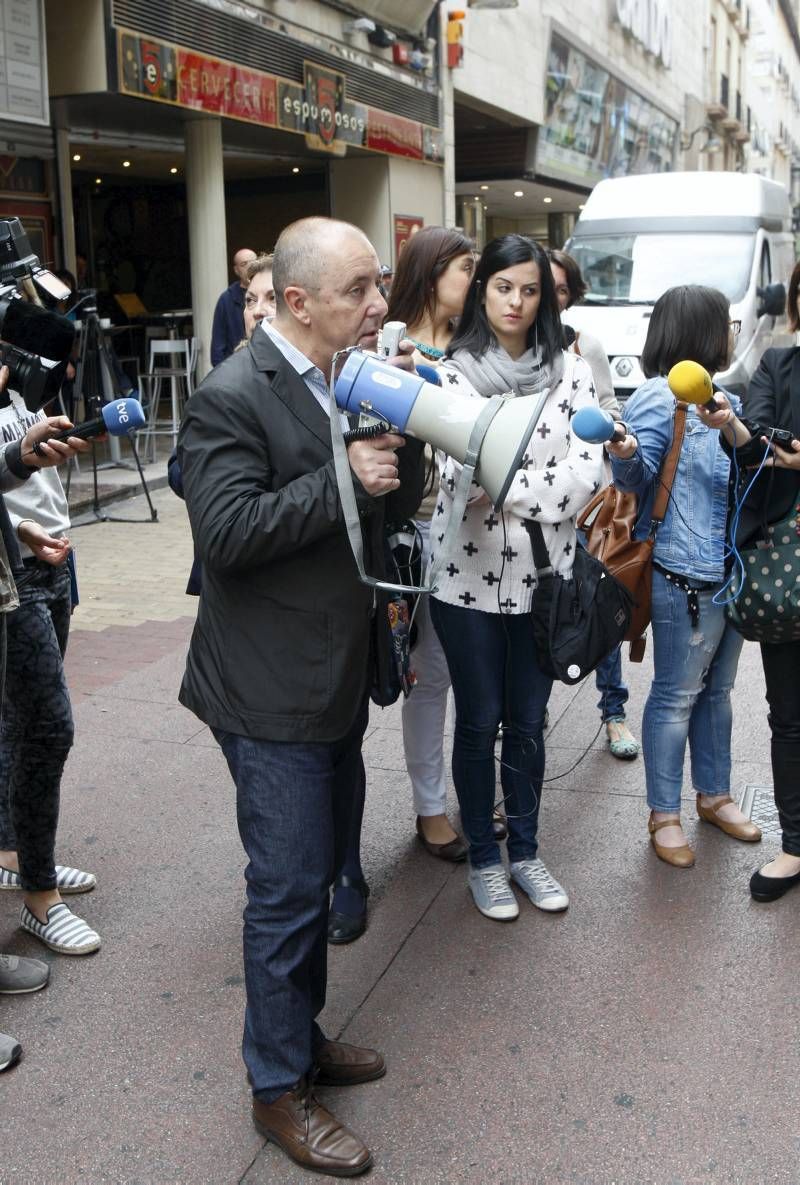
(498,429)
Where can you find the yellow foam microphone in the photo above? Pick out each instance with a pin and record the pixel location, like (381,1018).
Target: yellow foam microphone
(690,382)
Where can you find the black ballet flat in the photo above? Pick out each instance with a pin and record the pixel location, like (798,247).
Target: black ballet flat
(770,888)
(347,927)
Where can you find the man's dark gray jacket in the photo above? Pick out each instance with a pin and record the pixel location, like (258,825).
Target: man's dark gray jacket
(280,650)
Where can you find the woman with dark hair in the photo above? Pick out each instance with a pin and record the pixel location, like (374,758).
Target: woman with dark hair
(427,295)
(508,341)
(773,401)
(695,652)
(571,288)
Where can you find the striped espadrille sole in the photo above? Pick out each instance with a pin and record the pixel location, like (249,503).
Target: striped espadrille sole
(68,880)
(64,931)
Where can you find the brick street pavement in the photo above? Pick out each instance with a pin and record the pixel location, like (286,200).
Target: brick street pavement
(648,1035)
(134,572)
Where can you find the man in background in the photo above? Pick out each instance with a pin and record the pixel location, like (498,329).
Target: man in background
(228,327)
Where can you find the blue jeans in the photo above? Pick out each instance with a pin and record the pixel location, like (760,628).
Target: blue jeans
(496,679)
(608,681)
(690,697)
(293,804)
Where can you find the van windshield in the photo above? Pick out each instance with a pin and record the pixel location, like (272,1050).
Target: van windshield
(636,269)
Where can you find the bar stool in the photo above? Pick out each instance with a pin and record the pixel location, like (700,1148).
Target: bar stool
(172,361)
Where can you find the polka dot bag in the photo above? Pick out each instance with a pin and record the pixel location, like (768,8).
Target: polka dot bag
(766,607)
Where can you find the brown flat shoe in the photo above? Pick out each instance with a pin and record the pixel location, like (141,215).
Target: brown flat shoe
(747,832)
(455,851)
(310,1135)
(682,857)
(338,1064)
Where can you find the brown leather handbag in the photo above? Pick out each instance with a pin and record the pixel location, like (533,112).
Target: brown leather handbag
(608,522)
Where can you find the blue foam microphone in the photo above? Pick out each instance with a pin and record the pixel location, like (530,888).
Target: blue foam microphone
(597,426)
(117,418)
(429,374)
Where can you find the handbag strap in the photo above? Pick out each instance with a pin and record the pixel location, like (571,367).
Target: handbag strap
(666,474)
(666,477)
(541,556)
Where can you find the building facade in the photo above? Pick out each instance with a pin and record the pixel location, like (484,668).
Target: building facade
(774,94)
(143,143)
(190,128)
(550,98)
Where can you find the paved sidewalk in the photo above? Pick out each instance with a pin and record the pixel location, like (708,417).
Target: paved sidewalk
(648,1035)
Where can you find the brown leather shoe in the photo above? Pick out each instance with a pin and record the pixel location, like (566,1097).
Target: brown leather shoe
(310,1135)
(455,851)
(346,1065)
(682,857)
(747,832)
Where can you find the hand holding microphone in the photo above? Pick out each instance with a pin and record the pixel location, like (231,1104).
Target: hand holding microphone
(395,347)
(117,418)
(37,450)
(598,427)
(690,382)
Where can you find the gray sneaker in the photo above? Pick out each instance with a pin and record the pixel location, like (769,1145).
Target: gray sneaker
(543,889)
(21,975)
(492,894)
(9,1051)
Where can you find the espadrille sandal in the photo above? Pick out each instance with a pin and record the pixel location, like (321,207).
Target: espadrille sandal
(63,932)
(68,880)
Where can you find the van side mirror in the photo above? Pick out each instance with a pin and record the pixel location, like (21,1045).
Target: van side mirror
(771,300)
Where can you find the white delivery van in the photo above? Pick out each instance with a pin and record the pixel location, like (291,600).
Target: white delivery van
(638,236)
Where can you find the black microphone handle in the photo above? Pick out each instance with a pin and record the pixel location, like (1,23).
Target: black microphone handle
(619,434)
(83,431)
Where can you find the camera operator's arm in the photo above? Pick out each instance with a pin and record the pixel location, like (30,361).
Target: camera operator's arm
(18,460)
(51,452)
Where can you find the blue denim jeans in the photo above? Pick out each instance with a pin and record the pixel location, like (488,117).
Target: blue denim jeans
(293,804)
(690,697)
(496,679)
(608,681)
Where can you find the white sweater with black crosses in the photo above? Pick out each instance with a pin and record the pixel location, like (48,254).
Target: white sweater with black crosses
(490,566)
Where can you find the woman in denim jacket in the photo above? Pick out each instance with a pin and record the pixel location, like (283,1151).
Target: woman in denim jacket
(695,653)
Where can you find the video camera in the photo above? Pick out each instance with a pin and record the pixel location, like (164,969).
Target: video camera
(36,342)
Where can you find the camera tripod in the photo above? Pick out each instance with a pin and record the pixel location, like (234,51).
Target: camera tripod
(96,383)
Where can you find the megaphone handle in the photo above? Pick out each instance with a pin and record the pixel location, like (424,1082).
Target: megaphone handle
(347,497)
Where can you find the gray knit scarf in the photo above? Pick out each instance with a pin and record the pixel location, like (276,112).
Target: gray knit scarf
(496,373)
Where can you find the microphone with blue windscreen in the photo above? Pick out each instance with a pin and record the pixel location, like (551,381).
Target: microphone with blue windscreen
(117,418)
(597,426)
(429,374)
